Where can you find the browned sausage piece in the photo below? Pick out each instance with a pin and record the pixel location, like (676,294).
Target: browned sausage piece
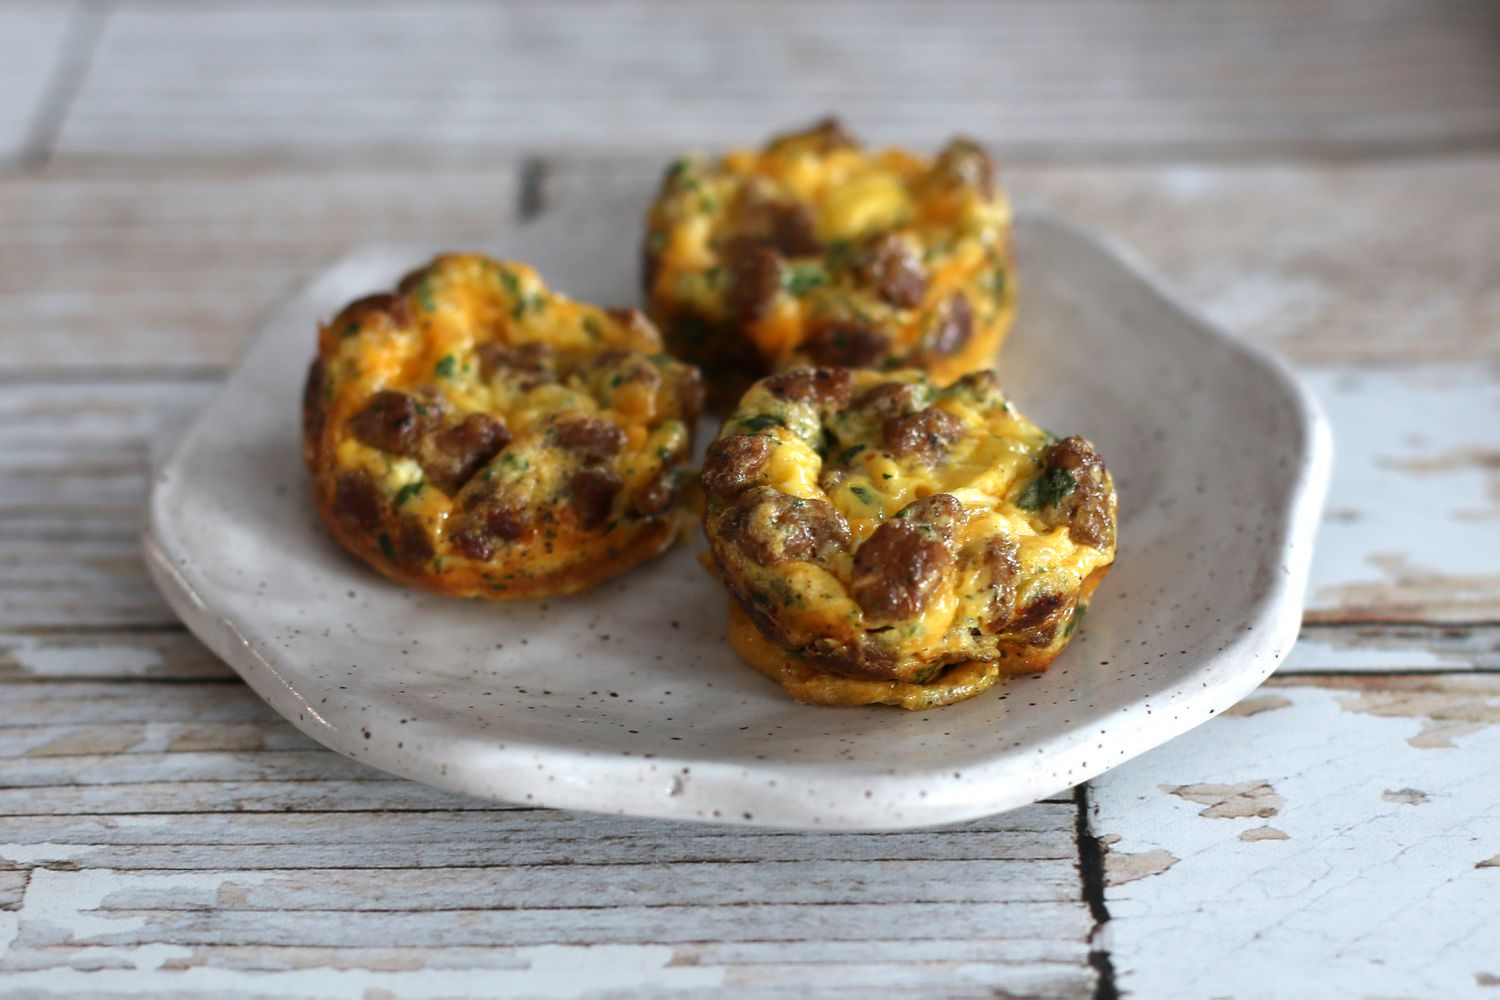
(731,464)
(392,308)
(1038,621)
(897,570)
(1085,507)
(530,359)
(656,495)
(594,438)
(413,547)
(845,343)
(825,388)
(314,410)
(358,500)
(926,433)
(394,422)
(891,265)
(457,453)
(692,392)
(954,326)
(1002,560)
(771,527)
(593,494)
(754,278)
(964,161)
(888,399)
(941,512)
(824,136)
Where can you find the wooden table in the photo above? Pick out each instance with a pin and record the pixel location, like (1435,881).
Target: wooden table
(1320,176)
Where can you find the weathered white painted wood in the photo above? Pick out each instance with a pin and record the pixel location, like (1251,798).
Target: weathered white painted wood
(1343,262)
(183,261)
(32,44)
(173,270)
(1397,648)
(399,81)
(169,653)
(196,902)
(1336,836)
(1412,527)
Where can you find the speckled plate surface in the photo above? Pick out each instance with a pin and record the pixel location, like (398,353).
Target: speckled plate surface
(629,700)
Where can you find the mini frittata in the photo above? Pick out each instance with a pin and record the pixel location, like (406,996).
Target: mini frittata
(889,540)
(476,434)
(816,251)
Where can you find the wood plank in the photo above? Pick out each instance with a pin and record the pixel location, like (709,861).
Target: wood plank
(198,902)
(1327,837)
(1394,648)
(33,38)
(181,264)
(1418,439)
(400,81)
(184,260)
(1337,263)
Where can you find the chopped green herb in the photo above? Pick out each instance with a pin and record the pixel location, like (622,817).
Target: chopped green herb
(1047,489)
(761,421)
(386,548)
(512,284)
(352,328)
(1073,622)
(799,279)
(591,327)
(424,296)
(849,454)
(408,491)
(447,366)
(998,283)
(866,495)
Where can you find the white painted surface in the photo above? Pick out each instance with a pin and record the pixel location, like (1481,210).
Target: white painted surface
(1371,877)
(214,155)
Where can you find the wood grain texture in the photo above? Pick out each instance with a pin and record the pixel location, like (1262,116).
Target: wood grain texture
(236,80)
(1329,837)
(33,42)
(171,271)
(420,896)
(1361,262)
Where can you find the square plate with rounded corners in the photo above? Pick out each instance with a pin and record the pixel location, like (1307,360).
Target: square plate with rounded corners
(628,699)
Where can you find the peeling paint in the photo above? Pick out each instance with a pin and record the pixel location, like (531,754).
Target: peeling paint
(1486,979)
(1254,706)
(1409,591)
(1246,799)
(1489,862)
(1406,796)
(1450,707)
(1121,868)
(1263,833)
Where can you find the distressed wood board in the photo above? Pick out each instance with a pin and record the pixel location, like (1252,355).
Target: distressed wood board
(244,80)
(1318,176)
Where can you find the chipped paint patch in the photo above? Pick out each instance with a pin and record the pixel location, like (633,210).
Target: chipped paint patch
(1120,868)
(1449,707)
(1263,833)
(1408,590)
(1241,801)
(1406,796)
(1489,862)
(1258,704)
(1486,979)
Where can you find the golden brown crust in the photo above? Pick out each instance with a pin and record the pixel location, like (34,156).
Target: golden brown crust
(474,434)
(816,251)
(876,527)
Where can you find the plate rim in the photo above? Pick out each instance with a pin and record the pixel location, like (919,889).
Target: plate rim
(1276,615)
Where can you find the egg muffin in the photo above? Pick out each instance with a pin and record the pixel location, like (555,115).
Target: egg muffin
(475,434)
(886,539)
(816,251)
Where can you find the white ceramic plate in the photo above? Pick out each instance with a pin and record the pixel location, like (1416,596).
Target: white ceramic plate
(629,700)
